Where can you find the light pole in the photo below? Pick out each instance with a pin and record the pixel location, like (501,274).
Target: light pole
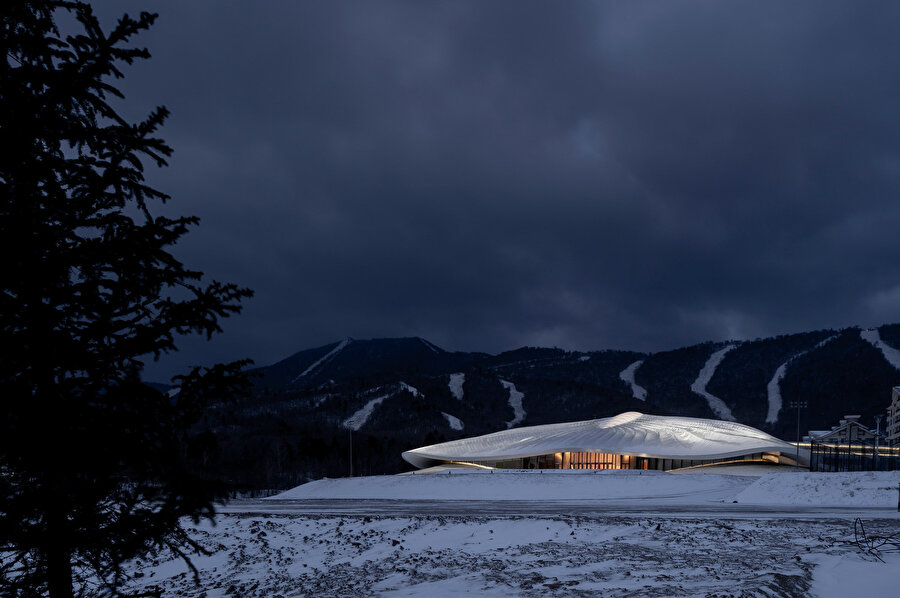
(878,419)
(351,453)
(799,405)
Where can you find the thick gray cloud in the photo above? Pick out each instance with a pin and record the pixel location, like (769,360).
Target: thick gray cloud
(487,175)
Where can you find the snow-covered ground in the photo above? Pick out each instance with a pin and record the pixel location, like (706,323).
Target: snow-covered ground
(866,489)
(573,484)
(840,575)
(858,489)
(549,554)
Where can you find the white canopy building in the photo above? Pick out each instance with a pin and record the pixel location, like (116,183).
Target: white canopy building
(630,440)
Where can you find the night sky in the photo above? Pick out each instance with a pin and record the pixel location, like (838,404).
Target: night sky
(488,175)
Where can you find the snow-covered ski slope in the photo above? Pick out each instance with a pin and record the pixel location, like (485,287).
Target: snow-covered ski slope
(454,422)
(717,405)
(361,416)
(430,346)
(456,385)
(891,354)
(515,401)
(356,421)
(411,389)
(627,376)
(325,358)
(773,388)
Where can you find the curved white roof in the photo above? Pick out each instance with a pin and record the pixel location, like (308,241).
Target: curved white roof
(630,433)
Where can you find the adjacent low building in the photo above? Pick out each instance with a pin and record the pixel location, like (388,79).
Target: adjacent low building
(630,440)
(847,430)
(892,429)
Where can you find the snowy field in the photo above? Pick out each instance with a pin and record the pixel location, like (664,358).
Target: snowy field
(561,553)
(650,488)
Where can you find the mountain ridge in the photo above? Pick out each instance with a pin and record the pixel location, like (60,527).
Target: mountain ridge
(400,393)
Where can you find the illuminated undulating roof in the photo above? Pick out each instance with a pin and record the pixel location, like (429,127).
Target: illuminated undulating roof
(630,433)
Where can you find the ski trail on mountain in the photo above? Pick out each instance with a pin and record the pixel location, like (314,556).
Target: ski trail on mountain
(455,422)
(627,376)
(717,405)
(891,354)
(412,390)
(360,417)
(515,401)
(773,389)
(429,345)
(328,356)
(456,385)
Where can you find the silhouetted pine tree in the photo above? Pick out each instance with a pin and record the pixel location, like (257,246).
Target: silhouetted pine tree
(90,473)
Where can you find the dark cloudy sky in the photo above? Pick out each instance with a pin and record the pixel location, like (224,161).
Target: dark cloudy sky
(487,175)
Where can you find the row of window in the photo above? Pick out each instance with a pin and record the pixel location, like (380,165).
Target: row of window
(591,460)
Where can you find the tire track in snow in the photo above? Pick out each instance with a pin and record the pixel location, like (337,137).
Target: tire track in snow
(515,401)
(891,354)
(717,405)
(773,388)
(627,376)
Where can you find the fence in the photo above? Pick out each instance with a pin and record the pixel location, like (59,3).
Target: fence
(856,456)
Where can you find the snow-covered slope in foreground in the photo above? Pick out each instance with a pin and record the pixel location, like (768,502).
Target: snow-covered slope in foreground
(856,489)
(862,489)
(356,554)
(526,485)
(842,575)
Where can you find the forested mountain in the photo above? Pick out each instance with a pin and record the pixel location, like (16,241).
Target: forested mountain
(390,395)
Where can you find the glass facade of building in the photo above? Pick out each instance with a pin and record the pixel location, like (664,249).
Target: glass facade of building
(590,460)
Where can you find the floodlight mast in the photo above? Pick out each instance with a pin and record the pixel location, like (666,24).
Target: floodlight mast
(878,419)
(799,405)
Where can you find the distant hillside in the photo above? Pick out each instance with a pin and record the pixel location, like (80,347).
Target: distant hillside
(396,394)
